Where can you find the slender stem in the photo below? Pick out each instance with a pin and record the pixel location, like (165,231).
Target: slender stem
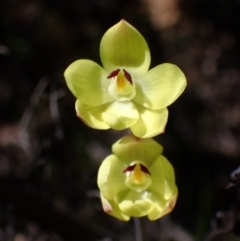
(138,229)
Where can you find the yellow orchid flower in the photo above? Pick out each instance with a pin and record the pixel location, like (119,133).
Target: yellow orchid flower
(124,94)
(136,180)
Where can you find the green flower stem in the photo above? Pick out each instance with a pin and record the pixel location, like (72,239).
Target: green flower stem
(139,230)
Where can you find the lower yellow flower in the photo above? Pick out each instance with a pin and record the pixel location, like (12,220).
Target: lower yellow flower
(136,180)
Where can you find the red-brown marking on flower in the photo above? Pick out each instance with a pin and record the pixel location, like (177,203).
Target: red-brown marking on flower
(113,74)
(145,169)
(128,76)
(129,168)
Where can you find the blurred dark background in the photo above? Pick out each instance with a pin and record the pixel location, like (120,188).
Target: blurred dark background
(49,159)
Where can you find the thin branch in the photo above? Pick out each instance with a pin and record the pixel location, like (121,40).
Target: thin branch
(28,113)
(53,98)
(23,135)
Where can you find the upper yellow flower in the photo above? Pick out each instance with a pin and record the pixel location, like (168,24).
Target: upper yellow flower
(124,94)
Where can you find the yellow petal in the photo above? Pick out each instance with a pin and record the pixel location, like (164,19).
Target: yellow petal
(111,177)
(131,148)
(160,86)
(111,208)
(163,178)
(122,46)
(91,115)
(120,115)
(162,208)
(150,122)
(138,208)
(135,204)
(88,82)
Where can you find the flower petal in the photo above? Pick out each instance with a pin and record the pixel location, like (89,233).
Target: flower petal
(131,148)
(122,46)
(161,207)
(120,115)
(135,204)
(111,177)
(160,87)
(163,178)
(150,122)
(138,208)
(91,115)
(111,208)
(88,82)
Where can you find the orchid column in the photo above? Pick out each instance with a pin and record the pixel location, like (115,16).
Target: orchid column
(136,180)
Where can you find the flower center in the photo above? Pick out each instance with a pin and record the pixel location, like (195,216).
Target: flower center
(121,87)
(137,177)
